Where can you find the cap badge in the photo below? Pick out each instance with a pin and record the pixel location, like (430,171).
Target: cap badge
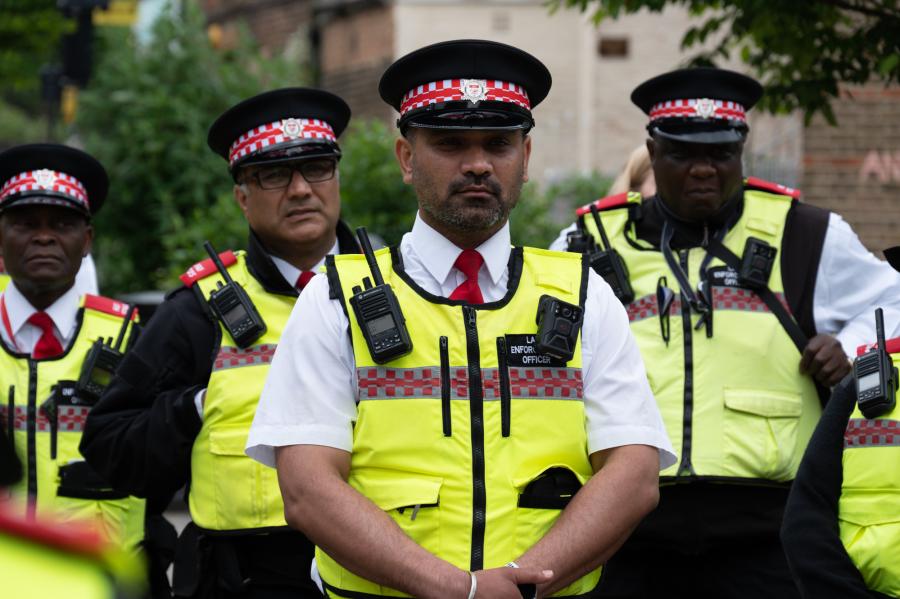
(473,90)
(705,108)
(45,178)
(292,128)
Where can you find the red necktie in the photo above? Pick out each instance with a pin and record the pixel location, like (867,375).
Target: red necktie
(48,345)
(469,263)
(303,279)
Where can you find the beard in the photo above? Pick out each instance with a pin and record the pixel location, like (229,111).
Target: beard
(460,213)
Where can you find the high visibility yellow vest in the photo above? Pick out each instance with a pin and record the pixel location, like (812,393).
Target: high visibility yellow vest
(229,491)
(53,487)
(4,281)
(869,507)
(41,559)
(734,404)
(450,439)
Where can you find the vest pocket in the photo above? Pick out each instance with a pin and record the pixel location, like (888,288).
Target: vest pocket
(245,490)
(541,498)
(760,434)
(871,536)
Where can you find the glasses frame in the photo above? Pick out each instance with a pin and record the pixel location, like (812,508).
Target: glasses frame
(295,167)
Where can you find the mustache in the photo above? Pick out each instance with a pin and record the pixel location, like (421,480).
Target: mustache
(492,185)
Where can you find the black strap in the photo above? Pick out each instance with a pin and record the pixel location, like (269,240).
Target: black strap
(787,321)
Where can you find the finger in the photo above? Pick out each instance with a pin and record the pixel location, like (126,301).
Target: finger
(815,364)
(836,369)
(531,575)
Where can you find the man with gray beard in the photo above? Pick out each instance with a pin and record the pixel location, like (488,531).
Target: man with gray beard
(507,442)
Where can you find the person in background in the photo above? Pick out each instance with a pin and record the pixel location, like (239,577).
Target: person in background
(179,408)
(745,303)
(636,176)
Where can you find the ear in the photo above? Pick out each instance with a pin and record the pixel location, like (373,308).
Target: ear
(88,240)
(527,155)
(404,151)
(241,198)
(651,149)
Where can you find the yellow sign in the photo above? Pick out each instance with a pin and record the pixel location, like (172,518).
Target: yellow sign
(121,13)
(69,104)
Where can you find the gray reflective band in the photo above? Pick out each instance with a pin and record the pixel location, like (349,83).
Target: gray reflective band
(235,357)
(880,432)
(525,382)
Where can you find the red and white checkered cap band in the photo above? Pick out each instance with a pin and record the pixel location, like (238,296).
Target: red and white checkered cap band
(45,180)
(265,136)
(473,90)
(706,108)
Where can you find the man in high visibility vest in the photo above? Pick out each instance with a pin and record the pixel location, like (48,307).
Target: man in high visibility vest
(737,294)
(180,406)
(51,335)
(458,449)
(841,530)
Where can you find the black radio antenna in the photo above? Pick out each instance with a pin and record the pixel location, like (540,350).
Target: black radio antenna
(596,214)
(217,261)
(124,326)
(369,254)
(879,329)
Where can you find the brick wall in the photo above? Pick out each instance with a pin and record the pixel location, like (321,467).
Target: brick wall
(275,24)
(854,168)
(354,50)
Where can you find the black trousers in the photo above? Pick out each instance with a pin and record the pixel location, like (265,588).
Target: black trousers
(705,540)
(273,565)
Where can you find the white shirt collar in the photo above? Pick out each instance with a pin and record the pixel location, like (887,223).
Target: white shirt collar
(62,312)
(291,272)
(438,253)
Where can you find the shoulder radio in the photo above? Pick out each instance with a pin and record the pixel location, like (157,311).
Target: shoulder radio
(607,263)
(876,376)
(378,311)
(101,362)
(233,307)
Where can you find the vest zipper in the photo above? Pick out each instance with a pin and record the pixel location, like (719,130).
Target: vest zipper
(50,408)
(11,415)
(31,439)
(476,416)
(685,467)
(503,371)
(445,386)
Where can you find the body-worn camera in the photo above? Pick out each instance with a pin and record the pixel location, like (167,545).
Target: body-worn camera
(756,263)
(607,263)
(101,362)
(378,311)
(558,323)
(876,376)
(233,307)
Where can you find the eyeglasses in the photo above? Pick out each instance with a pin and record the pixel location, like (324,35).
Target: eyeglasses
(280,176)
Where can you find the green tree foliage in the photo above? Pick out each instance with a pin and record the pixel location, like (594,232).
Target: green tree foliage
(29,37)
(372,190)
(800,50)
(145,116)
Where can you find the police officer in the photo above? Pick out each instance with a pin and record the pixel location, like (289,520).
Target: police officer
(48,196)
(181,404)
(841,530)
(733,289)
(475,458)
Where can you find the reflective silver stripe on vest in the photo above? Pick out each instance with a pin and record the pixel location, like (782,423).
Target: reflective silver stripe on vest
(724,298)
(525,382)
(235,357)
(872,433)
(70,419)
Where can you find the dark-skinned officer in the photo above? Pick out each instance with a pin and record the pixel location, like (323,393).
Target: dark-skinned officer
(736,292)
(48,195)
(180,406)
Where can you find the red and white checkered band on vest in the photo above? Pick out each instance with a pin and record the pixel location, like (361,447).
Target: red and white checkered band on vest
(45,180)
(706,108)
(261,138)
(473,90)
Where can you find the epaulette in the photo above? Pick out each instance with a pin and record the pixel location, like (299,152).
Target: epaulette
(776,188)
(205,268)
(892,346)
(107,306)
(607,203)
(69,537)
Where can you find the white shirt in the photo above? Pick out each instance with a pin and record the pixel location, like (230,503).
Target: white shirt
(310,394)
(850,283)
(291,273)
(18,310)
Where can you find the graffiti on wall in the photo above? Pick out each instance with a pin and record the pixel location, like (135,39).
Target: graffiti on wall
(882,166)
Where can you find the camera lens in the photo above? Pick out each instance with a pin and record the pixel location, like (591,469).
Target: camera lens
(567,312)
